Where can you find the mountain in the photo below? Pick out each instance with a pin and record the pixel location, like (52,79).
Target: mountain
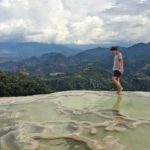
(47,63)
(20,51)
(96,54)
(136,58)
(136,51)
(139,51)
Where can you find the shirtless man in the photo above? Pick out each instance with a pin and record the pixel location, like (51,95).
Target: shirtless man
(118,68)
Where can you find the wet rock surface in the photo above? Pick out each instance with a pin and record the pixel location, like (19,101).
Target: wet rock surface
(76,120)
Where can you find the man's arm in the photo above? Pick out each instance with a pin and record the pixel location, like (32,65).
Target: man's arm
(121,65)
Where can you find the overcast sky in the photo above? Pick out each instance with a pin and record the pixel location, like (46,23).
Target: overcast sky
(75,21)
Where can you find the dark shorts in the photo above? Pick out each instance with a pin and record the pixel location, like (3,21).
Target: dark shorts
(117,73)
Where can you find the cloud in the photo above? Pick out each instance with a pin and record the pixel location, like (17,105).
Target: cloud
(75,21)
(129,20)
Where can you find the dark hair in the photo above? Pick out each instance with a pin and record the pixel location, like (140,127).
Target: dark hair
(114,48)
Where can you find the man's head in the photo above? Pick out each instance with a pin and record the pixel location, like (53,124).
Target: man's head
(114,50)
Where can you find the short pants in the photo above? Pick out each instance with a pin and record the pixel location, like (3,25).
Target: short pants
(117,73)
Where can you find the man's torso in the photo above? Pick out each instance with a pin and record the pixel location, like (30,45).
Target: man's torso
(118,59)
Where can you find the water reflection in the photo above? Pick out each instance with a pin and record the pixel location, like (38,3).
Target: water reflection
(116,106)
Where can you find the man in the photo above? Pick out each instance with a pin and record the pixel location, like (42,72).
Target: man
(117,68)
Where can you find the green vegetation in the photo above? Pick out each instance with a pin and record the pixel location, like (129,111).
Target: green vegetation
(89,78)
(21,84)
(98,79)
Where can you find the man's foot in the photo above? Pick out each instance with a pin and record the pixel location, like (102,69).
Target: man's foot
(120,93)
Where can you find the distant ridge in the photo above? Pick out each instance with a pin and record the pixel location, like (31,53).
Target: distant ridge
(19,51)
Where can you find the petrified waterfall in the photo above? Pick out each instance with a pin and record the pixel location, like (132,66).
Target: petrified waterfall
(76,120)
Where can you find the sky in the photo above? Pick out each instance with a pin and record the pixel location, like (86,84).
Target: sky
(75,21)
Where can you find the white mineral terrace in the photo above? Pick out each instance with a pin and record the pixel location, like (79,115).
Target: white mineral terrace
(76,120)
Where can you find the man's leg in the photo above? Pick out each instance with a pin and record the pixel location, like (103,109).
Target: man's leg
(116,81)
(120,84)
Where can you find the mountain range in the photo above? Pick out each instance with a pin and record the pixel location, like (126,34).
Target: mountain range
(19,51)
(136,58)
